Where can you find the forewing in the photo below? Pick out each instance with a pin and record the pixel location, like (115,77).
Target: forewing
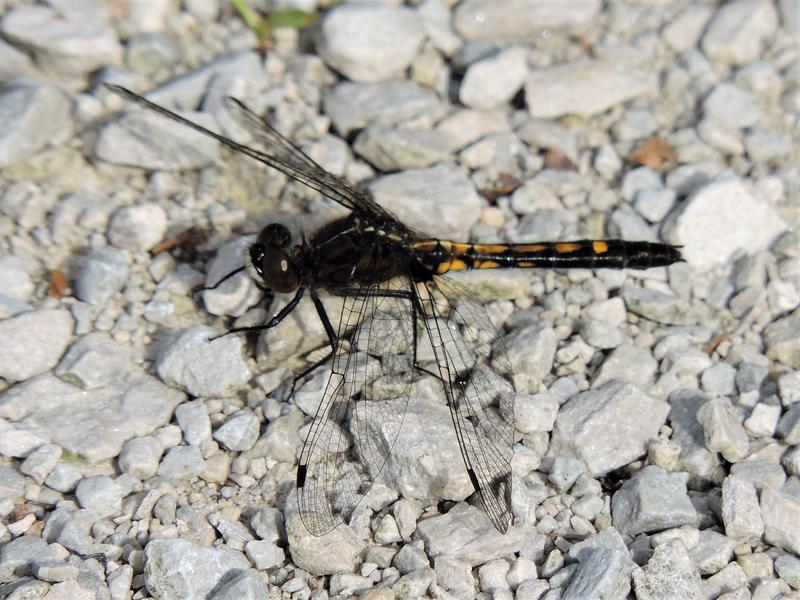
(477,378)
(362,409)
(284,155)
(277,152)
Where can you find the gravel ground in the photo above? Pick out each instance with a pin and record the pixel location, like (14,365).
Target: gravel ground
(659,443)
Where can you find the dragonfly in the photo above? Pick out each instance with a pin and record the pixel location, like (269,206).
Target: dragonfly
(395,290)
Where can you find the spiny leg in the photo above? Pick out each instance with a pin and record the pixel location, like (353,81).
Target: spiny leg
(284,312)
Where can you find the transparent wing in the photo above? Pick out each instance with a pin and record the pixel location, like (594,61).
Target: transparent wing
(284,155)
(362,409)
(278,153)
(477,378)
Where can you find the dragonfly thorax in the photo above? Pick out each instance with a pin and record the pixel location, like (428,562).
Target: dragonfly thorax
(271,260)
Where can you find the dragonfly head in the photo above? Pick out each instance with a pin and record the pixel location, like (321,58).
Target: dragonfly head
(270,259)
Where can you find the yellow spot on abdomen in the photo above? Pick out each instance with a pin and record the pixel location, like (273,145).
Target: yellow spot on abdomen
(486,264)
(599,247)
(567,247)
(530,247)
(454,264)
(490,248)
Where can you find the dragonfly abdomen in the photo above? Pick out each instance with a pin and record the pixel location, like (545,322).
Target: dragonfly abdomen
(443,256)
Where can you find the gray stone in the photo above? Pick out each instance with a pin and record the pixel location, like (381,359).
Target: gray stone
(39,463)
(12,484)
(238,433)
(739,31)
(781,515)
(353,40)
(268,524)
(32,342)
(466,535)
(440,200)
(194,422)
(141,138)
(602,573)
(789,426)
(719,134)
(493,81)
(140,457)
(248,584)
(718,380)
(709,238)
(424,461)
(96,361)
(466,126)
(545,134)
(750,376)
(18,440)
(337,552)
(454,576)
(712,552)
(137,228)
(584,88)
(393,149)
(55,571)
(731,106)
(164,509)
(71,528)
(531,350)
(656,305)
(146,53)
(654,205)
(627,362)
(668,574)
(782,340)
(652,500)
(763,146)
(729,583)
(788,569)
(187,90)
(763,420)
(31,116)
(521,19)
(761,473)
(18,557)
(65,43)
(119,582)
(740,510)
(182,462)
(203,367)
(416,584)
(103,274)
(608,426)
(264,554)
(685,30)
(236,294)
(723,429)
(534,413)
(101,495)
(16,281)
(177,569)
(564,472)
(14,62)
(412,557)
(64,477)
(789,388)
(357,105)
(600,334)
(91,424)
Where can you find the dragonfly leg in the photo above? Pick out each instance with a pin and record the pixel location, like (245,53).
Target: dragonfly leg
(284,312)
(332,339)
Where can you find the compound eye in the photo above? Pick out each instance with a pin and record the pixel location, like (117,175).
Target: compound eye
(275,268)
(275,235)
